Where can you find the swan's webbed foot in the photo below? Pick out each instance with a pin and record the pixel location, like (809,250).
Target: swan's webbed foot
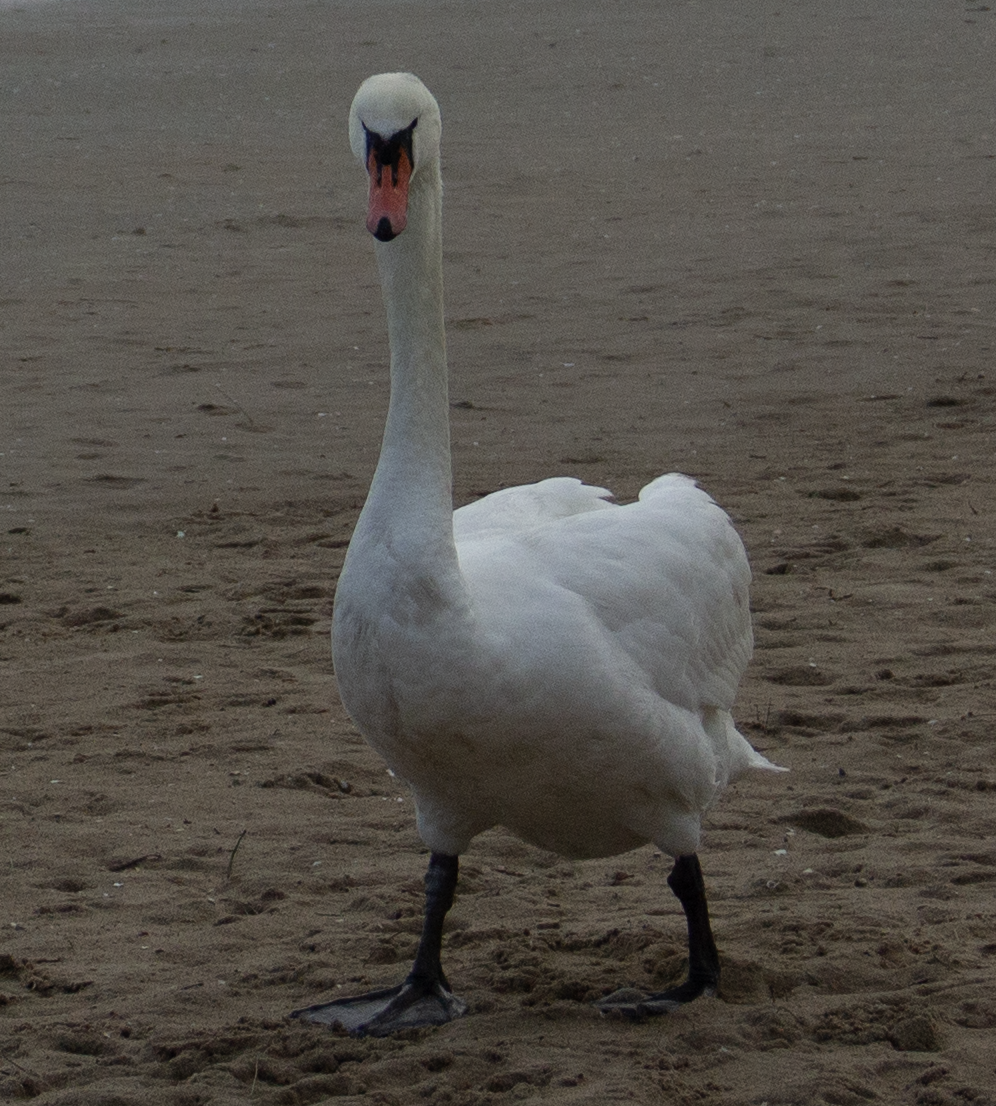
(686,882)
(631,1003)
(425,997)
(410,1005)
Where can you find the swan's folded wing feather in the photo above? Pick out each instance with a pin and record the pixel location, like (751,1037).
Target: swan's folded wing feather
(513,510)
(706,565)
(666,577)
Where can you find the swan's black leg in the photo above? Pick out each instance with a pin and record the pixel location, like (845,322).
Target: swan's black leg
(440,888)
(688,885)
(425,997)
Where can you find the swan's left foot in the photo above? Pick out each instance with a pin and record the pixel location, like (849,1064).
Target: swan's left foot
(411,1005)
(631,1003)
(425,997)
(686,882)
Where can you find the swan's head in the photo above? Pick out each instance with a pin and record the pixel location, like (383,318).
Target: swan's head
(394,128)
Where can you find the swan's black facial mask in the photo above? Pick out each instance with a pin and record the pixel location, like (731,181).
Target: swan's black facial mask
(385,153)
(387,216)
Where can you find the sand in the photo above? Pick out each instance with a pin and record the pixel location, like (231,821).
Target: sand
(750,242)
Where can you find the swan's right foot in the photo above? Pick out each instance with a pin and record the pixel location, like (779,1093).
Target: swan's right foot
(411,1005)
(425,997)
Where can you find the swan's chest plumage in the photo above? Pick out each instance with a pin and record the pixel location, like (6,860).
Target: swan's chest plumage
(503,696)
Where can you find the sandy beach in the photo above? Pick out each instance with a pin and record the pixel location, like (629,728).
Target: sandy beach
(754,244)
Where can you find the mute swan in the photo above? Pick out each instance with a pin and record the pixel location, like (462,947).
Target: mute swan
(541,659)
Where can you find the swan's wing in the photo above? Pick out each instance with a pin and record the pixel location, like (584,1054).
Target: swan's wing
(673,589)
(514,510)
(666,579)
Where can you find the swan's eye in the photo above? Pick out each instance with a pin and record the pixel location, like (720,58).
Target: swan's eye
(386,152)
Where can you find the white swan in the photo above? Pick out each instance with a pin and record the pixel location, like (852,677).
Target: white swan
(541,659)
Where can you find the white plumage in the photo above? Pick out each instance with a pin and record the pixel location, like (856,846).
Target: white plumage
(567,673)
(542,659)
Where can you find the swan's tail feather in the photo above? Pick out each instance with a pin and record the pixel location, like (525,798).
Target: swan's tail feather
(756,760)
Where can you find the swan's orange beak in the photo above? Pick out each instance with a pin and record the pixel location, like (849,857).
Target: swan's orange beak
(387,214)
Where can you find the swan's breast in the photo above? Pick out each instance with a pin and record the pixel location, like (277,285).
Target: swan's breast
(573,684)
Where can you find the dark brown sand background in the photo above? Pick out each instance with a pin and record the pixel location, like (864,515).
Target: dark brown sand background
(753,242)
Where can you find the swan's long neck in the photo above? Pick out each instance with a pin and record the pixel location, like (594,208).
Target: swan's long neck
(411,494)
